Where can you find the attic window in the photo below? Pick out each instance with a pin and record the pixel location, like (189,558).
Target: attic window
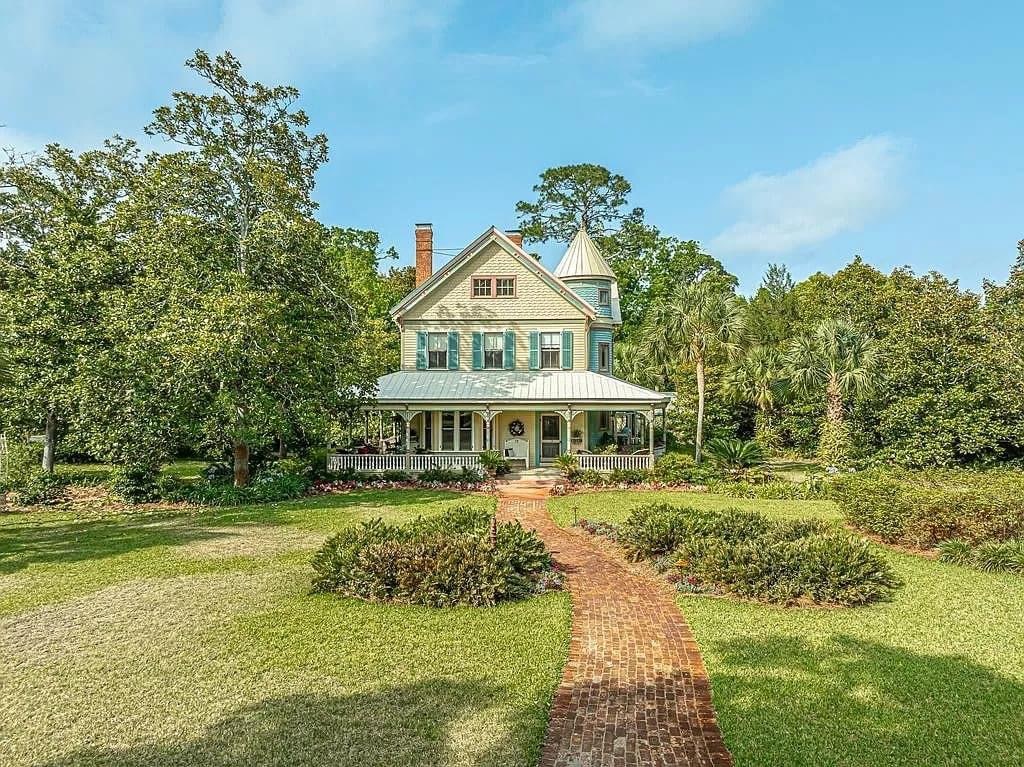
(494,287)
(604,297)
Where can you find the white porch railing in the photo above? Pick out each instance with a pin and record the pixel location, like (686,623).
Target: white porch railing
(591,461)
(413,463)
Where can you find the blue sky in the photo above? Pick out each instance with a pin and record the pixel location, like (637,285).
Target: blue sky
(772,131)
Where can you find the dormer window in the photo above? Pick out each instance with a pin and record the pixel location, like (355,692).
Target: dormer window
(604,297)
(494,287)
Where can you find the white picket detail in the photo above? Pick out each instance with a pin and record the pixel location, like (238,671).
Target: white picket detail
(590,461)
(415,463)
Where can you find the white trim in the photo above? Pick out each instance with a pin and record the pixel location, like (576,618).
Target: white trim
(525,259)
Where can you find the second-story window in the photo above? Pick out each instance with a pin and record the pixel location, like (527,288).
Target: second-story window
(604,357)
(550,350)
(494,351)
(604,297)
(494,287)
(437,350)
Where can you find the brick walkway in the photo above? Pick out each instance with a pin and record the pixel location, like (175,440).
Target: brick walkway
(635,691)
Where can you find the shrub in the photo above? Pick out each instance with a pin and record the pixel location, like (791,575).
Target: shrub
(438,562)
(270,485)
(396,475)
(627,477)
(926,507)
(447,476)
(659,528)
(494,463)
(991,556)
(591,478)
(681,469)
(38,488)
(750,555)
(134,484)
(776,490)
(568,464)
(735,453)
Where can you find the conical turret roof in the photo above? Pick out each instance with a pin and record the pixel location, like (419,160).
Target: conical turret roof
(583,259)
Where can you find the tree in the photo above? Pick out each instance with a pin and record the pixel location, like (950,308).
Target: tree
(840,360)
(702,324)
(57,240)
(773,310)
(758,379)
(258,319)
(651,267)
(570,197)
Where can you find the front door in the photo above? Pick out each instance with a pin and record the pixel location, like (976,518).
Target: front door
(550,436)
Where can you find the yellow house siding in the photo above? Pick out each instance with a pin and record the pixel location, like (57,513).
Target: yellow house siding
(522,329)
(452,299)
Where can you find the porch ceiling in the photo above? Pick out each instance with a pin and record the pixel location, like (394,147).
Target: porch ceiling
(511,387)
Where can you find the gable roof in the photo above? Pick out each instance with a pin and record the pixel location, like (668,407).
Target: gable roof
(493,234)
(583,259)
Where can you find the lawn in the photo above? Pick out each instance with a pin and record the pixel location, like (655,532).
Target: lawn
(192,638)
(935,677)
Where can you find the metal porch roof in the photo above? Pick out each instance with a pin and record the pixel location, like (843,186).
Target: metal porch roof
(511,386)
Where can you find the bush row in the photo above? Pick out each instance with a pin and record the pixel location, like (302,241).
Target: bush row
(749,555)
(456,558)
(924,508)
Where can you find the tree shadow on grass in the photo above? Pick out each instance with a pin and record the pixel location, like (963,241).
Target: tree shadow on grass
(786,701)
(29,540)
(409,725)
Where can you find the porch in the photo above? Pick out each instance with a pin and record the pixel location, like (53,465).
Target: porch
(446,418)
(414,441)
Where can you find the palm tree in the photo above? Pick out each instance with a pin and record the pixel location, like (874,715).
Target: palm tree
(758,378)
(703,323)
(839,359)
(633,364)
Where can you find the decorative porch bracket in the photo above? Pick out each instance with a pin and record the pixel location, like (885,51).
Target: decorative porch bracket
(487,416)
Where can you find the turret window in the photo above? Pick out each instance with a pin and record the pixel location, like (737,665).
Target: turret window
(604,357)
(604,297)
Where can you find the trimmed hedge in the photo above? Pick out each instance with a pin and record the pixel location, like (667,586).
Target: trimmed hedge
(924,508)
(747,554)
(456,558)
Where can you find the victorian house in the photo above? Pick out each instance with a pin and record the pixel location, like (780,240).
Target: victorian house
(499,353)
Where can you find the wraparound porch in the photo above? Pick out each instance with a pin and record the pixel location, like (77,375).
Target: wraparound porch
(450,436)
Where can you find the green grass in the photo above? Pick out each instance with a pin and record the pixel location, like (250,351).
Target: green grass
(935,677)
(193,638)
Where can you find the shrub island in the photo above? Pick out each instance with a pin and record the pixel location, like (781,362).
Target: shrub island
(462,557)
(749,555)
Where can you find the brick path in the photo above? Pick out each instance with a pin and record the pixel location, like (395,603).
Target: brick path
(635,691)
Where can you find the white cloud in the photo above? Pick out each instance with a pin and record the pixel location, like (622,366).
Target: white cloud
(282,38)
(838,192)
(659,23)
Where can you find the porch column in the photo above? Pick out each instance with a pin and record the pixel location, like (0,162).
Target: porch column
(568,414)
(407,416)
(487,415)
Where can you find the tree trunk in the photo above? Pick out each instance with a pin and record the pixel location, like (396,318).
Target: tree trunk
(50,443)
(241,451)
(699,444)
(834,405)
(282,447)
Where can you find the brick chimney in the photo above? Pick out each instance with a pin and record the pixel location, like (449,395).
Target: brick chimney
(424,253)
(516,236)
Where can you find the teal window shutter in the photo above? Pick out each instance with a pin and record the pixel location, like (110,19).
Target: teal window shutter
(510,350)
(478,351)
(421,350)
(534,350)
(567,350)
(453,350)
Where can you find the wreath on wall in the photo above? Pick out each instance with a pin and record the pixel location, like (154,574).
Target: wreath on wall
(517,428)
